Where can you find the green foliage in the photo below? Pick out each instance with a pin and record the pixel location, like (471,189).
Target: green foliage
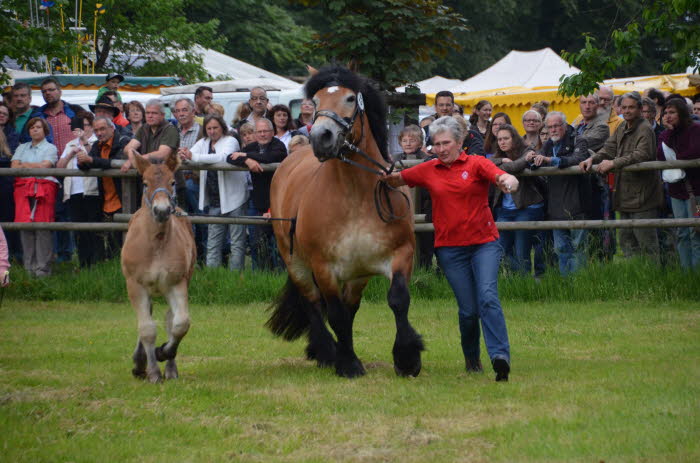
(30,45)
(392,41)
(262,33)
(634,279)
(676,23)
(133,36)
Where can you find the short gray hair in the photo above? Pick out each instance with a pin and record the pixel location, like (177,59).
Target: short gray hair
(156,102)
(447,124)
(190,103)
(557,114)
(259,88)
(633,96)
(107,120)
(267,122)
(646,101)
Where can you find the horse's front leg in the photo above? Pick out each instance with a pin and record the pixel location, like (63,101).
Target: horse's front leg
(177,323)
(408,344)
(340,318)
(141,302)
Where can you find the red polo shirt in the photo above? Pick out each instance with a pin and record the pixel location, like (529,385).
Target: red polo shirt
(459,192)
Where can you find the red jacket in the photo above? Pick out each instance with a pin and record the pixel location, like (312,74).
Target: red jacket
(45,193)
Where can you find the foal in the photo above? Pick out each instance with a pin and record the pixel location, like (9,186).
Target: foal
(158,257)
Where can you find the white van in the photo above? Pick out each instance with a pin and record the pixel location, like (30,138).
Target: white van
(231,96)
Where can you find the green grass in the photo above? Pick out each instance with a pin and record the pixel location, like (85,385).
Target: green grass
(633,279)
(595,381)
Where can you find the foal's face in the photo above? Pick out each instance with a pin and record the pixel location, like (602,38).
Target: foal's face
(327,136)
(158,176)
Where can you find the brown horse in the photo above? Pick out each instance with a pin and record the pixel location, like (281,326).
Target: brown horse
(158,257)
(339,240)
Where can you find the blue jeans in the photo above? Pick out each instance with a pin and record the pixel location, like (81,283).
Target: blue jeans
(200,230)
(688,239)
(472,272)
(518,243)
(569,246)
(217,239)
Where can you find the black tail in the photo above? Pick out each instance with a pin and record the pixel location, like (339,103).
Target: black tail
(290,313)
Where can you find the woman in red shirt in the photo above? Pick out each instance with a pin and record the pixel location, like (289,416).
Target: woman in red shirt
(466,238)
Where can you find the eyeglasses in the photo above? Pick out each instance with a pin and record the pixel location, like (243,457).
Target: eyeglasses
(258,98)
(264,131)
(531,121)
(553,126)
(602,98)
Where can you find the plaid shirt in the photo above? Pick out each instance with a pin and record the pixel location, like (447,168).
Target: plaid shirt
(190,136)
(60,123)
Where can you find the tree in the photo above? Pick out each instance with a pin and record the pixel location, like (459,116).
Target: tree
(262,33)
(133,36)
(392,41)
(31,45)
(675,24)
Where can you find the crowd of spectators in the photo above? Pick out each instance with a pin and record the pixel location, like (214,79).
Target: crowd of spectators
(62,135)
(611,132)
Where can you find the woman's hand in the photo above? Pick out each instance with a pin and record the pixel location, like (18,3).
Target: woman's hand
(506,160)
(507,183)
(530,155)
(5,277)
(394,179)
(236,155)
(253,166)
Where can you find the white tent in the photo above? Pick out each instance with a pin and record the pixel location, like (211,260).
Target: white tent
(527,69)
(220,65)
(434,84)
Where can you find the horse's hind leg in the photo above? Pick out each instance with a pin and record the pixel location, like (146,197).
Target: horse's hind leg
(177,323)
(141,301)
(408,344)
(321,345)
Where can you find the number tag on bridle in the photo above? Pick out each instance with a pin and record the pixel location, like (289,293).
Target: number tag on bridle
(360,102)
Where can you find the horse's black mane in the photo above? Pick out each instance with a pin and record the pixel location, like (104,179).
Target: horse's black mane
(375,107)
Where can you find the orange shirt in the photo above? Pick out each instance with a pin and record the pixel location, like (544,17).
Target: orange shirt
(111,203)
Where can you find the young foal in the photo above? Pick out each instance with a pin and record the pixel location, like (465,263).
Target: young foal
(158,257)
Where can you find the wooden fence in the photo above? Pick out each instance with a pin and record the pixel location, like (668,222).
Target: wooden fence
(130,192)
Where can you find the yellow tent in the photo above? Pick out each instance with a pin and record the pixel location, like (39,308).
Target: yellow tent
(514,101)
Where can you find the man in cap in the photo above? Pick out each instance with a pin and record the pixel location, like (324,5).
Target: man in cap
(113,80)
(106,108)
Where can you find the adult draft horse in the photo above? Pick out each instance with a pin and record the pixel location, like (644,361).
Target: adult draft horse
(339,240)
(158,257)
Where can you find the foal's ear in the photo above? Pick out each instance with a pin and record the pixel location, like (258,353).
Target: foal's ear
(173,161)
(141,163)
(312,70)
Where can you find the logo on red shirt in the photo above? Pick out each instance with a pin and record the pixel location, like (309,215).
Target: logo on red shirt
(465,174)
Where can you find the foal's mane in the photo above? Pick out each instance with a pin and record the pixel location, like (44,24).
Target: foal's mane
(375,107)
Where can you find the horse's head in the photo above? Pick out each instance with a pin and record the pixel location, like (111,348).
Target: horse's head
(158,185)
(342,100)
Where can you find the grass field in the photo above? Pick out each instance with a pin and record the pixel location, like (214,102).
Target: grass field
(599,381)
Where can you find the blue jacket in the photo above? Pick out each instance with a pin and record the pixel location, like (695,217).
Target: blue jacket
(69,109)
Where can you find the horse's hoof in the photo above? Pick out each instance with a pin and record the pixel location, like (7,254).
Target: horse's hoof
(161,354)
(155,376)
(410,371)
(171,372)
(352,369)
(138,373)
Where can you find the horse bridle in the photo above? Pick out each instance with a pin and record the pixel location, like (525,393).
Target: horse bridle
(172,196)
(346,124)
(382,188)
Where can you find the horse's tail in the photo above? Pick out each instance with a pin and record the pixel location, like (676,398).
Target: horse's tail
(290,313)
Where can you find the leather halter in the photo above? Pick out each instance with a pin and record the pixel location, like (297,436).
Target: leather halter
(382,189)
(172,196)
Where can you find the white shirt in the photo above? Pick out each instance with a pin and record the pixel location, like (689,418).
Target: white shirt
(77,185)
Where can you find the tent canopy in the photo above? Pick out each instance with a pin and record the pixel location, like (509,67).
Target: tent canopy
(434,84)
(530,69)
(219,65)
(98,80)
